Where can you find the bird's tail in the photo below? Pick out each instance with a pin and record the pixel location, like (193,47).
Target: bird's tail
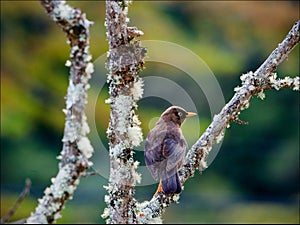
(171,184)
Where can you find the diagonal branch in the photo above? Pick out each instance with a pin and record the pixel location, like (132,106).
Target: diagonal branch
(20,199)
(252,83)
(76,146)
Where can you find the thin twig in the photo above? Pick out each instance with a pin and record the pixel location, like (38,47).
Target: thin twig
(91,173)
(17,204)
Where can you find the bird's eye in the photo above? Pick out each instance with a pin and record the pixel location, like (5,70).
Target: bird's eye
(180,114)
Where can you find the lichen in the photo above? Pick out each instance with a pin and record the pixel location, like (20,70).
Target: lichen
(85,129)
(72,131)
(261,95)
(63,11)
(176,198)
(76,93)
(123,105)
(117,150)
(135,135)
(68,63)
(84,145)
(89,68)
(137,90)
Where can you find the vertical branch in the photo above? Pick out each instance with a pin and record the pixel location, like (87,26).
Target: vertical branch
(76,146)
(125,60)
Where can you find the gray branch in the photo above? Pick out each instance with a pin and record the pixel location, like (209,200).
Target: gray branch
(17,204)
(252,83)
(125,60)
(76,146)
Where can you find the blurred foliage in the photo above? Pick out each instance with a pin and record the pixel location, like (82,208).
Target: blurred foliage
(255,176)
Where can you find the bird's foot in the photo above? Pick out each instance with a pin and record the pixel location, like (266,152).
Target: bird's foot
(159,189)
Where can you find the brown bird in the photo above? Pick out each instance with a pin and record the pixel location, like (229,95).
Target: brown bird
(165,148)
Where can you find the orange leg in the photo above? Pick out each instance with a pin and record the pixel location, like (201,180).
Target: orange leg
(159,189)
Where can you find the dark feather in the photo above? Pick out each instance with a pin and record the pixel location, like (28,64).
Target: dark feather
(171,184)
(165,148)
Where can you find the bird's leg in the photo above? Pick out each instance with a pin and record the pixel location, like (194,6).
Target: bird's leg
(159,188)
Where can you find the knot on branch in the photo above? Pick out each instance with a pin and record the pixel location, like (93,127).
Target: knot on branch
(250,82)
(124,63)
(126,58)
(133,32)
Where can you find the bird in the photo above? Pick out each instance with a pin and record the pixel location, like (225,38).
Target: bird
(165,148)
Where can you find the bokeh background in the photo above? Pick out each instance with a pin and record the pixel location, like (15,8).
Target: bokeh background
(254,177)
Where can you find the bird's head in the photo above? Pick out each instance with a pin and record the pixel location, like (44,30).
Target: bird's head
(176,114)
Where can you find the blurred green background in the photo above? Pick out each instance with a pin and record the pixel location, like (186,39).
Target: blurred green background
(255,176)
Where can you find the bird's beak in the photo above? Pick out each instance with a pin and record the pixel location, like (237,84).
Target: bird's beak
(190,114)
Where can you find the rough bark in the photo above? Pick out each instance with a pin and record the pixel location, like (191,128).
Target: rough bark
(125,60)
(76,146)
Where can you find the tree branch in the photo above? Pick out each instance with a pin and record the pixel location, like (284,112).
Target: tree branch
(125,60)
(252,83)
(76,146)
(22,196)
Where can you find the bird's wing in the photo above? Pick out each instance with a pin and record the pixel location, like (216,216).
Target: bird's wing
(173,150)
(153,157)
(164,153)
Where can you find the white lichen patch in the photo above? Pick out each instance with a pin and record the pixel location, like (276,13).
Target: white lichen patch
(65,111)
(220,137)
(75,93)
(108,101)
(84,145)
(135,120)
(136,164)
(120,175)
(176,198)
(57,216)
(105,213)
(296,84)
(245,105)
(68,63)
(155,220)
(135,135)
(137,90)
(89,68)
(273,77)
(251,88)
(238,88)
(47,191)
(72,131)
(243,77)
(108,187)
(63,11)
(261,95)
(117,150)
(137,177)
(60,184)
(107,199)
(285,82)
(85,129)
(123,105)
(203,164)
(145,212)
